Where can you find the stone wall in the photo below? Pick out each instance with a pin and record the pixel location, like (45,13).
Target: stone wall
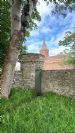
(29,63)
(59,81)
(26,76)
(18,80)
(32,76)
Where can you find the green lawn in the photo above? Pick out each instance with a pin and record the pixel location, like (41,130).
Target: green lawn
(26,113)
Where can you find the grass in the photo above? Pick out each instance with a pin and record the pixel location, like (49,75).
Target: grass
(24,113)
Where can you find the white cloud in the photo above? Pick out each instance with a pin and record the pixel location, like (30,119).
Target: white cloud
(54,28)
(45,30)
(34,33)
(33,48)
(44,10)
(56,51)
(60,36)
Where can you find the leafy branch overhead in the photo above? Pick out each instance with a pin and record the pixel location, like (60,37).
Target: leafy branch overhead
(27,20)
(69,39)
(61,6)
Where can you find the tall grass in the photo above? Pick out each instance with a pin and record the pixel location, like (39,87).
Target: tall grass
(26,113)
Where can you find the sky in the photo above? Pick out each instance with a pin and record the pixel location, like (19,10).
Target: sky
(51,28)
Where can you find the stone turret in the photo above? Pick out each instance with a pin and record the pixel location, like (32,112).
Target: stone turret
(44,51)
(29,63)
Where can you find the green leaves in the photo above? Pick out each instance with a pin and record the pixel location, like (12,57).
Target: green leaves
(36,15)
(4,29)
(69,40)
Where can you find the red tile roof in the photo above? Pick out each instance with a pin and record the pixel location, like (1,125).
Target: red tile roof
(54,62)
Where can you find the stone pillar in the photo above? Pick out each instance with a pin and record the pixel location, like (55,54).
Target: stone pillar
(38,75)
(29,63)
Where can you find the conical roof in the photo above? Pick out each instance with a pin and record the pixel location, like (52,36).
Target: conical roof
(44,51)
(44,45)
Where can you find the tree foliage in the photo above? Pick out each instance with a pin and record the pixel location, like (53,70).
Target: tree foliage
(61,6)
(69,40)
(4,29)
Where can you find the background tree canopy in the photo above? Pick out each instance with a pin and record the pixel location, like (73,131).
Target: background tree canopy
(4,29)
(69,40)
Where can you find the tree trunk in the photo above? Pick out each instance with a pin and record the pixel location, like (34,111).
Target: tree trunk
(14,48)
(9,68)
(15,44)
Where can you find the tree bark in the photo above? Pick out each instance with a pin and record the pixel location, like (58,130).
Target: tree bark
(9,68)
(15,44)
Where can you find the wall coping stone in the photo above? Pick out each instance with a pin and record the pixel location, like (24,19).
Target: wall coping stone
(31,57)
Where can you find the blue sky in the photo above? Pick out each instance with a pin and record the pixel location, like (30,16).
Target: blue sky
(51,28)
